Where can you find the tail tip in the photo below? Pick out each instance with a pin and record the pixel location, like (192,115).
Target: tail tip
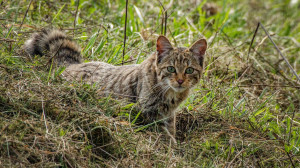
(31,46)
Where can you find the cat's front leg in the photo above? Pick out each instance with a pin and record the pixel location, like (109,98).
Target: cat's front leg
(170,129)
(170,124)
(166,117)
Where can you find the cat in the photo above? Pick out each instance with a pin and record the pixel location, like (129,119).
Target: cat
(159,84)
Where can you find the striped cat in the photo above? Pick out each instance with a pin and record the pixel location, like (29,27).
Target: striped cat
(159,84)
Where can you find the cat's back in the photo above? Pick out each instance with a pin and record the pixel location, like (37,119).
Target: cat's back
(99,72)
(89,72)
(121,81)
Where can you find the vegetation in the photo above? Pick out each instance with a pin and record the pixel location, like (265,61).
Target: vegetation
(243,113)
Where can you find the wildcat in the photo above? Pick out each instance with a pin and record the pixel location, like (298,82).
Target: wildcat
(160,83)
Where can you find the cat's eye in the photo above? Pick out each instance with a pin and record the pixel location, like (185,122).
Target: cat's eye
(189,70)
(171,69)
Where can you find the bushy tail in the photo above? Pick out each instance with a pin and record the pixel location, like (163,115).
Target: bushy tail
(56,45)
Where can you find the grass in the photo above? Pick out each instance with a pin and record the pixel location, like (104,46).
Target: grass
(243,113)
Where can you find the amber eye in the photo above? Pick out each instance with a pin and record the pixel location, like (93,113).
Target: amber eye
(189,70)
(171,69)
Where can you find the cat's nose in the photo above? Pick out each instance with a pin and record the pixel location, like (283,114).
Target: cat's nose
(180,81)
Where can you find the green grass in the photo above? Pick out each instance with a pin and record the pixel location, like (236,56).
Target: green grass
(243,113)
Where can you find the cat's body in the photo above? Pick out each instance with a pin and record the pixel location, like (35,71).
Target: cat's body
(136,82)
(159,84)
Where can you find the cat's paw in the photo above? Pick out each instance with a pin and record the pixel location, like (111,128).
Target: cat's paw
(170,135)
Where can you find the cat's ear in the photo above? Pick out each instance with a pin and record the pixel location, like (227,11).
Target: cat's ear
(198,49)
(162,45)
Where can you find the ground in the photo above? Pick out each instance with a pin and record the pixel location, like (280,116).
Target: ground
(243,113)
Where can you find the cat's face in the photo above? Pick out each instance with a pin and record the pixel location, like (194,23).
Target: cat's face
(180,68)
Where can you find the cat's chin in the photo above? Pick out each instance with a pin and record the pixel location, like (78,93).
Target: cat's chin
(179,89)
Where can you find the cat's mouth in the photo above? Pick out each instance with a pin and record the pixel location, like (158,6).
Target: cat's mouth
(178,88)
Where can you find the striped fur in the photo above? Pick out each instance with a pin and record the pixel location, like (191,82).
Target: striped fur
(54,44)
(157,90)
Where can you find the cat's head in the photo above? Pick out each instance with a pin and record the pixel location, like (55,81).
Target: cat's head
(180,68)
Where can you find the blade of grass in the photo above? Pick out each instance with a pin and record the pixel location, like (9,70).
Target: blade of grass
(125,27)
(252,40)
(25,14)
(58,12)
(91,42)
(100,46)
(139,14)
(287,62)
(49,74)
